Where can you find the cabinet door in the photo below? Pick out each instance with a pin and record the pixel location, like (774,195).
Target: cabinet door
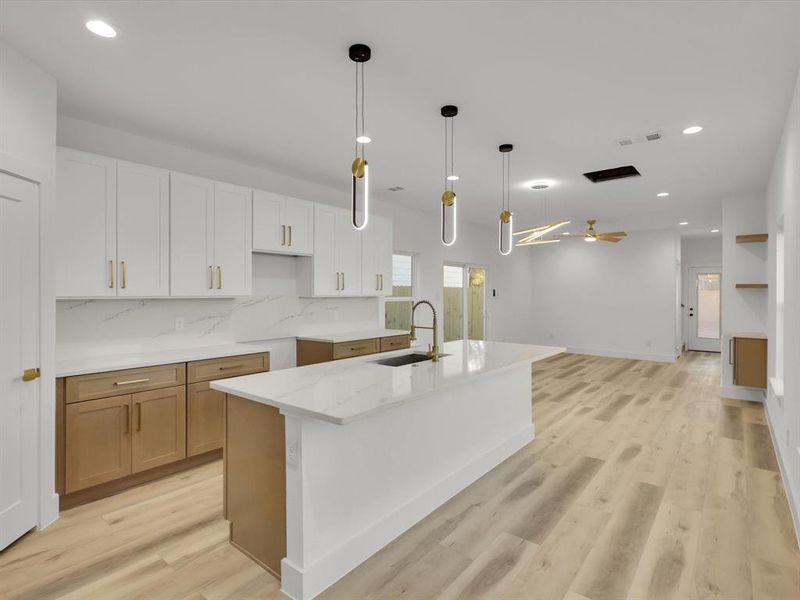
(370,281)
(86,225)
(269,229)
(750,362)
(299,221)
(348,250)
(384,247)
(205,426)
(142,230)
(233,246)
(325,272)
(191,226)
(98,442)
(159,427)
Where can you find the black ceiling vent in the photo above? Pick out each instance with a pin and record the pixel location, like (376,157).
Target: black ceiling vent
(609,174)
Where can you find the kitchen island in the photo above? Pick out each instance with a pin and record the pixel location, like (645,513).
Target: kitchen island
(326,464)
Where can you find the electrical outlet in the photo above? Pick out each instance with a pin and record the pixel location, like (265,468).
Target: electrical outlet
(179,323)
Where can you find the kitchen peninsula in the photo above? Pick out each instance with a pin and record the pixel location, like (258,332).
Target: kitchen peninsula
(326,464)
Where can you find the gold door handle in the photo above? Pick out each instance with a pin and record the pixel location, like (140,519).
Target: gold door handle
(127,418)
(210,277)
(124,274)
(138,416)
(290,235)
(132,381)
(283,235)
(219,277)
(31,374)
(111,273)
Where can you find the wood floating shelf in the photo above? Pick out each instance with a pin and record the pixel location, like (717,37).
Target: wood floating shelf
(751,285)
(752,238)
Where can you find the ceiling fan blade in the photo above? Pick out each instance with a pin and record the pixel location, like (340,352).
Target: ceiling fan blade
(612,234)
(609,239)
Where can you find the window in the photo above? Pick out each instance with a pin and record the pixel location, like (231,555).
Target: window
(464,300)
(398,306)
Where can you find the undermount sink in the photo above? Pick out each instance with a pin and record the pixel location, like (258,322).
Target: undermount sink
(405,359)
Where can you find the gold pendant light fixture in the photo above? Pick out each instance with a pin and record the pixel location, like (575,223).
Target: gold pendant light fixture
(449,207)
(359,54)
(506,216)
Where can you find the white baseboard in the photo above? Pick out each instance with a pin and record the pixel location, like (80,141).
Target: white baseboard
(667,358)
(794,503)
(304,584)
(738,392)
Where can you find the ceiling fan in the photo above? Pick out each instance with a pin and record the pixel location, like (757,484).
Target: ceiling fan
(592,236)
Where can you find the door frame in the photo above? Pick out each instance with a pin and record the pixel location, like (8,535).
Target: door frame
(466,266)
(692,292)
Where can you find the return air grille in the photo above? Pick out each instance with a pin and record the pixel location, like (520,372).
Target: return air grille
(609,174)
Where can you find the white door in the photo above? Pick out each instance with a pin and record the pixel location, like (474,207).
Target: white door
(348,250)
(87,225)
(269,230)
(326,277)
(191,235)
(298,216)
(703,311)
(19,350)
(233,246)
(142,231)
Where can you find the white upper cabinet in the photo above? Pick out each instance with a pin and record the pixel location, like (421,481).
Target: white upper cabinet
(210,238)
(86,207)
(282,225)
(142,231)
(376,257)
(348,249)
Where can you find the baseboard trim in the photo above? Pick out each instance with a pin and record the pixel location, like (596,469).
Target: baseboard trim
(307,583)
(794,509)
(666,358)
(738,392)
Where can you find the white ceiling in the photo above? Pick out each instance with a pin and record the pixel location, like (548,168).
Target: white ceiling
(270,83)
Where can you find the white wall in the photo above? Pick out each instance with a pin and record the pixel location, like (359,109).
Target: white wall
(609,299)
(743,310)
(783,201)
(697,252)
(27,148)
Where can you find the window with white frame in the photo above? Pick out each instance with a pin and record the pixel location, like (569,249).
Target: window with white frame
(398,305)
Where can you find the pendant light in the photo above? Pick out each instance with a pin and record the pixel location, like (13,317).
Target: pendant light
(359,54)
(506,216)
(449,221)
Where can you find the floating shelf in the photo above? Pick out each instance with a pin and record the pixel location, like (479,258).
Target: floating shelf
(751,285)
(751,238)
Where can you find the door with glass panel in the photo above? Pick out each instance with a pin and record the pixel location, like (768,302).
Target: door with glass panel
(704,309)
(464,301)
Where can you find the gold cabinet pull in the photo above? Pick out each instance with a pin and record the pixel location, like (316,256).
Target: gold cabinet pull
(111,273)
(127,418)
(290,235)
(124,274)
(132,381)
(283,235)
(210,277)
(239,366)
(219,277)
(31,374)
(343,280)
(337,281)
(138,416)
(381,281)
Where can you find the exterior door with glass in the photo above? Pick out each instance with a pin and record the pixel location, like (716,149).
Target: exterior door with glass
(704,309)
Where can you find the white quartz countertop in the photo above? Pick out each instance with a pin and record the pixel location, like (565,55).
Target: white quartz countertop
(351,336)
(346,390)
(148,358)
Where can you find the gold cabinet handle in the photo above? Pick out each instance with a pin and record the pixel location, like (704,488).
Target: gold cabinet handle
(138,416)
(290,235)
(377,282)
(124,274)
(337,281)
(219,277)
(381,281)
(132,381)
(343,280)
(283,235)
(239,366)
(210,277)
(127,418)
(111,273)
(31,374)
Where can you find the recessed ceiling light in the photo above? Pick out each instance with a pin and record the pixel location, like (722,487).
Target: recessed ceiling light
(363,139)
(662,194)
(693,129)
(452,178)
(101,28)
(683,223)
(715,231)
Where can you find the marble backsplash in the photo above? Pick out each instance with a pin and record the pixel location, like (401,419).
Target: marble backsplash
(87,327)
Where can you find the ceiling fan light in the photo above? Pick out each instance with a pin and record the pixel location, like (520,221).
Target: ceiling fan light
(589,238)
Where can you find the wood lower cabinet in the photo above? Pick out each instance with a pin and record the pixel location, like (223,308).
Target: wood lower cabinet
(205,419)
(310,352)
(159,430)
(98,442)
(749,361)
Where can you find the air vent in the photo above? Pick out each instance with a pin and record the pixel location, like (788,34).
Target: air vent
(395,188)
(610,174)
(653,136)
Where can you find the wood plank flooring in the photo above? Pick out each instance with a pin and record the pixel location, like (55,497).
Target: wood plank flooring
(641,484)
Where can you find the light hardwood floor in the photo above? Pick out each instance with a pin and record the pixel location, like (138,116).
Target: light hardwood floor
(642,483)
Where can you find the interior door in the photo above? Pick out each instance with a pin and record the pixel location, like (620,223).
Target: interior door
(233,242)
(19,350)
(142,230)
(704,309)
(191,236)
